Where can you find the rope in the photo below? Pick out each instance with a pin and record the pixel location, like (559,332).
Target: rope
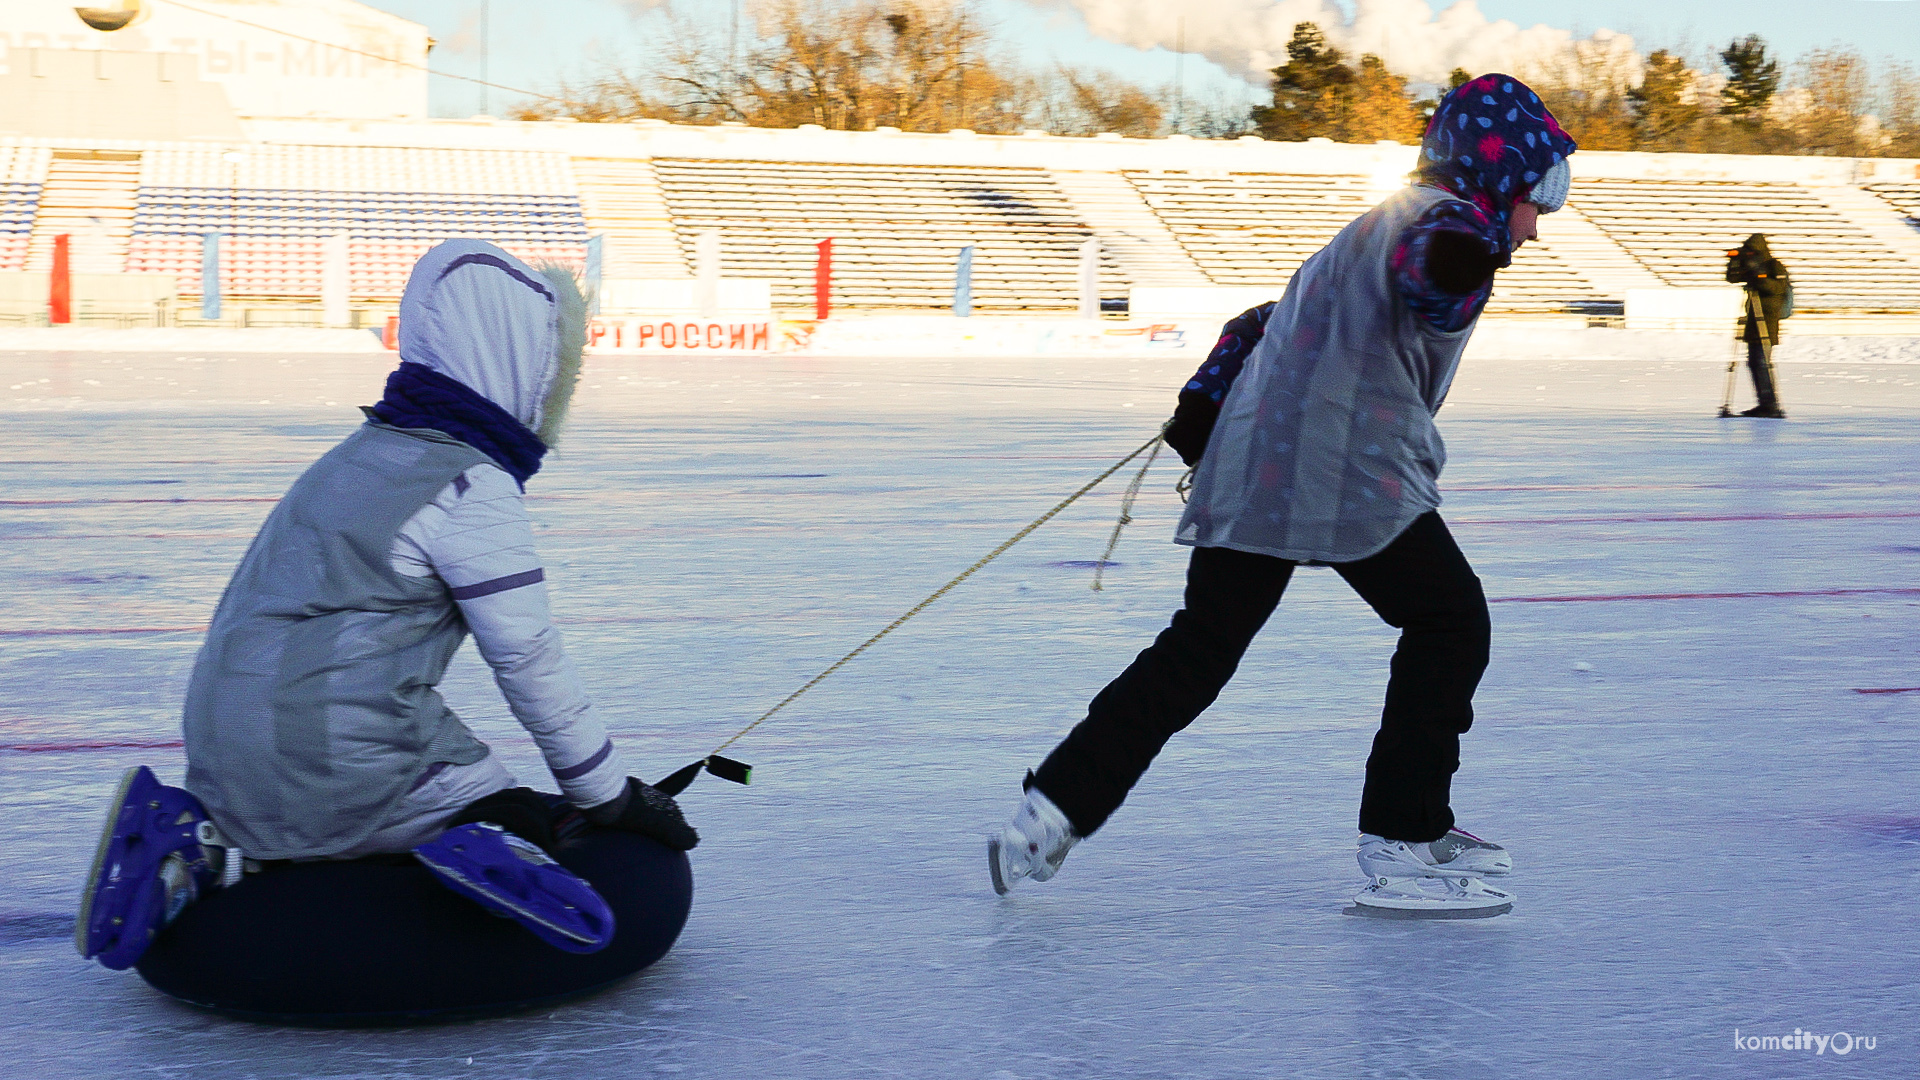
(1151,444)
(1126,510)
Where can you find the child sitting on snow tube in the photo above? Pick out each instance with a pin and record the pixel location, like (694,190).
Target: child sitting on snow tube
(313,729)
(379,940)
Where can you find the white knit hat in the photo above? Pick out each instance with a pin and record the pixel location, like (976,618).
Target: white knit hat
(1550,191)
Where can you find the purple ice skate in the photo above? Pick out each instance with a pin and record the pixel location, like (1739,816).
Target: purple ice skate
(157,854)
(514,878)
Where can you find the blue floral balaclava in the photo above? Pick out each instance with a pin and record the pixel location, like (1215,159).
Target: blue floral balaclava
(1490,141)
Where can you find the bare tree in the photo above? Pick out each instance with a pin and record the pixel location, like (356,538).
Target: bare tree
(1900,109)
(1217,115)
(1829,111)
(935,65)
(689,80)
(919,65)
(1078,101)
(1586,87)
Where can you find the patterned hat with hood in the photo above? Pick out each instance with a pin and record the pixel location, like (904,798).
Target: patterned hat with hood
(1493,142)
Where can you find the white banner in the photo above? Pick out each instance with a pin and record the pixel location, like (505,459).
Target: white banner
(642,334)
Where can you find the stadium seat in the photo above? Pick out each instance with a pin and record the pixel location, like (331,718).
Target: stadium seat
(1682,229)
(1256,229)
(276,205)
(23,172)
(897,231)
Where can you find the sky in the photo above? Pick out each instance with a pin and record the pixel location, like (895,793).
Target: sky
(1229,41)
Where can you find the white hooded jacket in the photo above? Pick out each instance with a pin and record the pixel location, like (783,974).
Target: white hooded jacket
(311,721)
(477,315)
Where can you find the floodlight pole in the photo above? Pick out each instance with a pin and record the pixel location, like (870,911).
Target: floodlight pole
(486,54)
(1179,74)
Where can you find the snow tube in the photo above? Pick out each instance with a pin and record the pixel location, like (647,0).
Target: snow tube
(379,941)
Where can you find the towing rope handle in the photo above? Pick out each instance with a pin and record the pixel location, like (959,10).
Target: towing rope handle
(741,773)
(1126,508)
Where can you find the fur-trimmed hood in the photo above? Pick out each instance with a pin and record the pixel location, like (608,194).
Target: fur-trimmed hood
(509,332)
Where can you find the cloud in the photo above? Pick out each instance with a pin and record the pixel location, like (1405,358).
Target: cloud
(1249,37)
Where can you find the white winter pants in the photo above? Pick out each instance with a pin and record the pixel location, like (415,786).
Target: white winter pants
(422,813)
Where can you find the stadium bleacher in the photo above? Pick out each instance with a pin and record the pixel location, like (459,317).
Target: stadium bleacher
(1682,229)
(1257,228)
(1904,198)
(144,207)
(896,230)
(276,204)
(23,173)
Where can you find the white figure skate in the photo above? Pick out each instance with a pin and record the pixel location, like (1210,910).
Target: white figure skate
(1457,854)
(1033,846)
(1439,879)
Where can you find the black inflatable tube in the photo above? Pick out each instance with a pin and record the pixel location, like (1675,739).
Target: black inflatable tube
(379,942)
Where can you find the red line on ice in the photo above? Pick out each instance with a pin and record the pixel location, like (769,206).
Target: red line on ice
(1887,690)
(129,536)
(1643,518)
(1597,599)
(88,631)
(90,744)
(121,502)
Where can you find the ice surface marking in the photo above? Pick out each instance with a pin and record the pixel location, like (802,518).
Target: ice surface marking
(1716,777)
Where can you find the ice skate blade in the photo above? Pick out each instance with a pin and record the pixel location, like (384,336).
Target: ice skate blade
(1423,870)
(1000,886)
(480,862)
(92,887)
(1425,914)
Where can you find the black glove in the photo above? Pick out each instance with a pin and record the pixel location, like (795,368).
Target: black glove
(1191,426)
(647,810)
(1461,264)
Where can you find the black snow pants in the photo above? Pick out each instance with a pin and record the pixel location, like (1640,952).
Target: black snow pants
(1420,583)
(1762,376)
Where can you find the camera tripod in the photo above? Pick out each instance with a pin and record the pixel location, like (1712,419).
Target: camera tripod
(1759,324)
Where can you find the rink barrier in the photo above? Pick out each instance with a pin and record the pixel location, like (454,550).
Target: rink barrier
(728,769)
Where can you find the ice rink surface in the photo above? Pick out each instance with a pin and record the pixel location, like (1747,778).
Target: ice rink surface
(1692,735)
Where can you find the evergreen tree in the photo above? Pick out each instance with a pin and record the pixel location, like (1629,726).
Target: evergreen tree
(1312,91)
(1426,107)
(1381,107)
(1751,79)
(1664,108)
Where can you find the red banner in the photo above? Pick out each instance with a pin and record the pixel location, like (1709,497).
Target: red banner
(823,280)
(60,287)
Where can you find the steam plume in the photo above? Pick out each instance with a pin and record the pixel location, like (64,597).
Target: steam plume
(1249,37)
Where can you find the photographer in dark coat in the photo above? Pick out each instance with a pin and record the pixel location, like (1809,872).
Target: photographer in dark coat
(1767,283)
